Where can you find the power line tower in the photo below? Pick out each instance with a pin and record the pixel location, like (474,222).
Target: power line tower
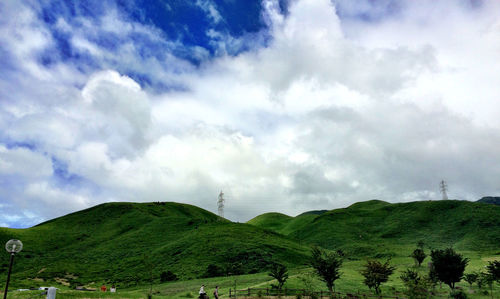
(443,187)
(220,204)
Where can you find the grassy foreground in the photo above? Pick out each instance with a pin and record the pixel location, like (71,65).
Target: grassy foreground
(350,282)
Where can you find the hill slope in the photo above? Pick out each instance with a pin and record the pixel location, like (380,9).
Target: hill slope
(490,199)
(121,242)
(377,229)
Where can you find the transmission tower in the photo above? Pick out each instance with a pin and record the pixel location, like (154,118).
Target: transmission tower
(443,187)
(220,204)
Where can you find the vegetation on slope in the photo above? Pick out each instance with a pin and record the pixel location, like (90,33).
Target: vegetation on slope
(380,229)
(490,199)
(127,242)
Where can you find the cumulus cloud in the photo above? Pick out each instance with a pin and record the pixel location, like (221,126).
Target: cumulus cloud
(23,162)
(337,106)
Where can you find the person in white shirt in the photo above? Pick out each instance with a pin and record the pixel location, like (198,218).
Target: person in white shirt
(202,291)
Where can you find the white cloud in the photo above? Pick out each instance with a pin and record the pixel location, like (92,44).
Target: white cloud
(329,112)
(211,10)
(23,162)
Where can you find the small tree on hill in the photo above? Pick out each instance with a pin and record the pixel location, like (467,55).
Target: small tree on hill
(449,266)
(419,256)
(280,273)
(420,244)
(493,269)
(214,271)
(167,276)
(471,278)
(416,285)
(327,266)
(433,276)
(376,273)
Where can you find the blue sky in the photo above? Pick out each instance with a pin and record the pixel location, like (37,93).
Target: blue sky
(285,105)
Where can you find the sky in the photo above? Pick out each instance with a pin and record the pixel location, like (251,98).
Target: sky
(286,106)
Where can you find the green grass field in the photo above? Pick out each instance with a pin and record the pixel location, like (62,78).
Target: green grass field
(350,282)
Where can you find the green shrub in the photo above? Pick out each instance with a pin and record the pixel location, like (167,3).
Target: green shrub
(458,294)
(167,276)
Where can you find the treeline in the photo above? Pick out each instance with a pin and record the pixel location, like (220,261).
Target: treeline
(447,266)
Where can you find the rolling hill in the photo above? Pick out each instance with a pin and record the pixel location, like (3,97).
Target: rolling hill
(490,199)
(125,243)
(380,229)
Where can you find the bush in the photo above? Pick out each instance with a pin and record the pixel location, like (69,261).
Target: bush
(494,270)
(458,294)
(471,278)
(167,276)
(214,271)
(416,285)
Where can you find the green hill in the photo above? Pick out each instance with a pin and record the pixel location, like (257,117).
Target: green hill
(380,229)
(126,243)
(491,200)
(121,242)
(281,223)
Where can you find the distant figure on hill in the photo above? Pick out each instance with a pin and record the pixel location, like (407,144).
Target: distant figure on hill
(216,292)
(103,288)
(113,289)
(203,294)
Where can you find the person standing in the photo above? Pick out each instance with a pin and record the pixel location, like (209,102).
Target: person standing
(202,291)
(216,292)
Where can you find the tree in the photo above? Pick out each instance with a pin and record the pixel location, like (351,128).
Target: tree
(486,279)
(433,276)
(376,273)
(471,278)
(418,255)
(449,266)
(214,271)
(420,244)
(327,266)
(280,273)
(167,276)
(307,280)
(416,285)
(493,269)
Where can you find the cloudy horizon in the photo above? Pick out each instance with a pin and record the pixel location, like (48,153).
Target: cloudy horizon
(286,106)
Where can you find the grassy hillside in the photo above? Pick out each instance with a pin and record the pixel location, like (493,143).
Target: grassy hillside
(491,200)
(126,242)
(281,223)
(380,229)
